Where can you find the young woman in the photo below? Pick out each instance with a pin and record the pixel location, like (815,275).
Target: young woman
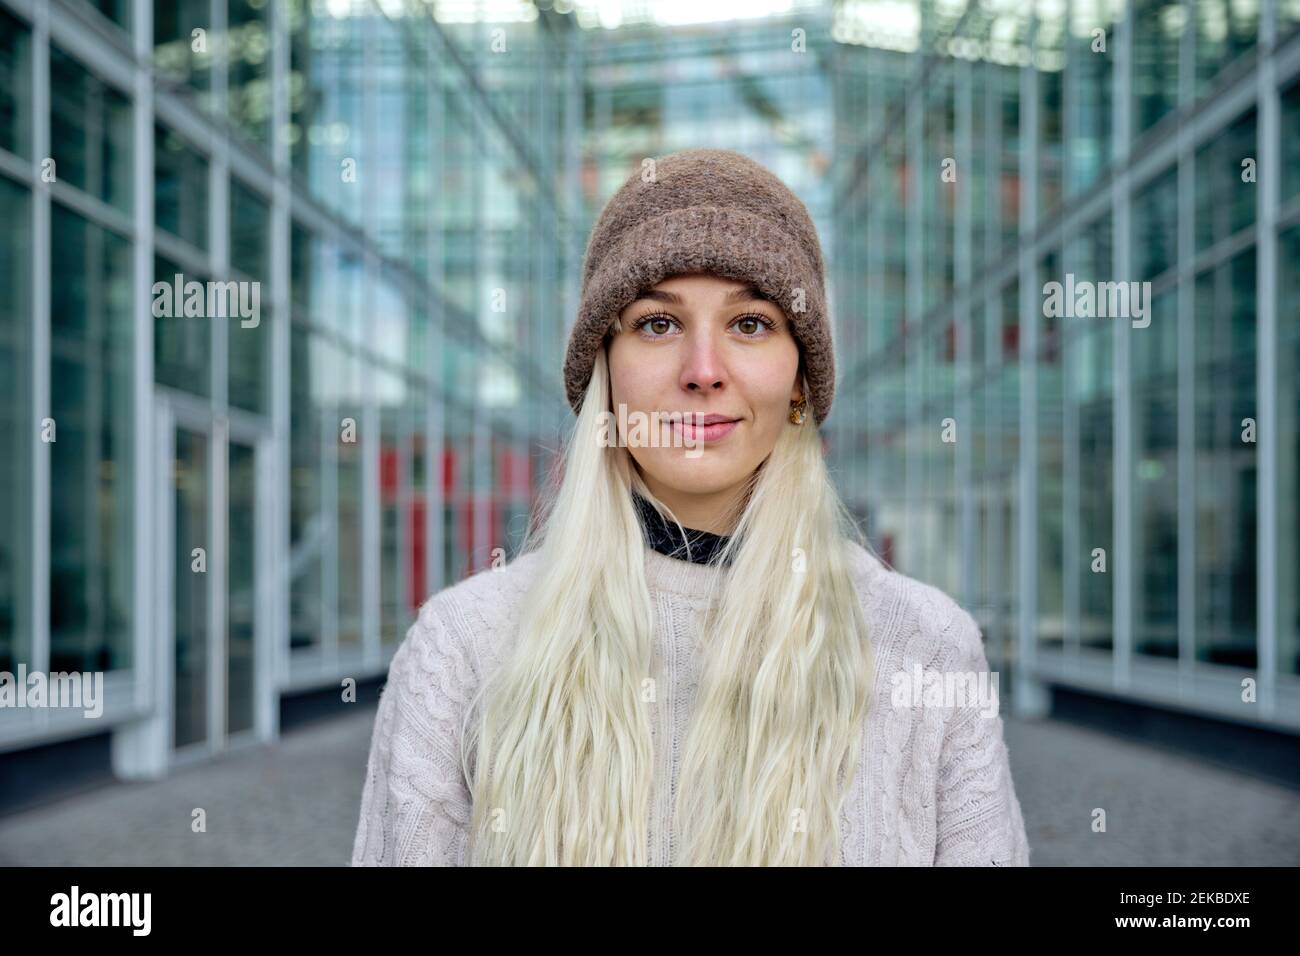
(694,661)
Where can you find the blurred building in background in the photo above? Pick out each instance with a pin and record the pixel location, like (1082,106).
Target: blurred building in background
(396,186)
(1115,499)
(228,516)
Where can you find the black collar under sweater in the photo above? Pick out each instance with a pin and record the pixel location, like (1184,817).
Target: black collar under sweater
(663,535)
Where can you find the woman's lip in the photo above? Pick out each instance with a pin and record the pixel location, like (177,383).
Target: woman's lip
(712,432)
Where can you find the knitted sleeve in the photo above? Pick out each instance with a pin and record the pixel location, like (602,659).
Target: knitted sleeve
(978,816)
(415,805)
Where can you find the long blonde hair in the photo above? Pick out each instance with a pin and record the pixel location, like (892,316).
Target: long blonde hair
(560,759)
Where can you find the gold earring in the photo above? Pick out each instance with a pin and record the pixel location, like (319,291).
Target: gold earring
(799,411)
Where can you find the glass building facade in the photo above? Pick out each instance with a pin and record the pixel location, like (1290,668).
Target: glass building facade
(218,513)
(217,509)
(1112,492)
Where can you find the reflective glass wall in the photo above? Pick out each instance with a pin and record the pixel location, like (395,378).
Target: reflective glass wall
(388,181)
(409,186)
(1065,267)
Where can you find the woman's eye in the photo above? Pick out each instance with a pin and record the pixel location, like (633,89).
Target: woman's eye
(658,326)
(752,325)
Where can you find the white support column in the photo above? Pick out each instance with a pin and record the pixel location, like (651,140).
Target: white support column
(435,571)
(1186,346)
(218,436)
(962,242)
(274,583)
(371,519)
(139,749)
(218,546)
(39,658)
(435,566)
(371,436)
(1075,544)
(480,438)
(330,427)
(1122,559)
(1030,695)
(1268,436)
(912,550)
(1072,534)
(998,543)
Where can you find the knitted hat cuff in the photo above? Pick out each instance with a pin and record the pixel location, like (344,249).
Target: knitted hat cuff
(727,241)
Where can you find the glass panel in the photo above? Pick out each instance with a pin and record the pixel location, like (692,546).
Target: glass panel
(1089,78)
(90,132)
(304,269)
(249,339)
(1288,495)
(1002,419)
(250,68)
(1225,29)
(15,86)
(1096,488)
(190,597)
(417,558)
(1092,383)
(309,526)
(182,345)
(391,399)
(1009,161)
(1011,322)
(386,320)
(345,312)
(241,583)
(326,85)
(1155,480)
(1225,189)
(1155,226)
(119,11)
(183,47)
(1290,129)
(1157,32)
(15,426)
(349,437)
(938,197)
(180,188)
(1226,463)
(1050,43)
(92,531)
(1288,16)
(1051,449)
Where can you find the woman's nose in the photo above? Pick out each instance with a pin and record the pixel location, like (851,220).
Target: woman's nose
(702,367)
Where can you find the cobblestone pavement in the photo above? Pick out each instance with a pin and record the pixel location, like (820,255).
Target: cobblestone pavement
(296,802)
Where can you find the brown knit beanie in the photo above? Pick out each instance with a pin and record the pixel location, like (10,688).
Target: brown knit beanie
(713,211)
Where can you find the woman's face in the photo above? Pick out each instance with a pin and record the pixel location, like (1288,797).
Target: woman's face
(706,345)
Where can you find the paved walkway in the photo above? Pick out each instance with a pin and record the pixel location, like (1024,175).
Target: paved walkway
(296,803)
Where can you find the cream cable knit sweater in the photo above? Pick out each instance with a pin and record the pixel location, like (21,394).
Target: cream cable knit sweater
(933,786)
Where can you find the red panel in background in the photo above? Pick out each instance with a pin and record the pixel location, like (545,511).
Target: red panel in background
(1010,341)
(514,468)
(494,537)
(505,466)
(465,517)
(418,559)
(387,473)
(448,472)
